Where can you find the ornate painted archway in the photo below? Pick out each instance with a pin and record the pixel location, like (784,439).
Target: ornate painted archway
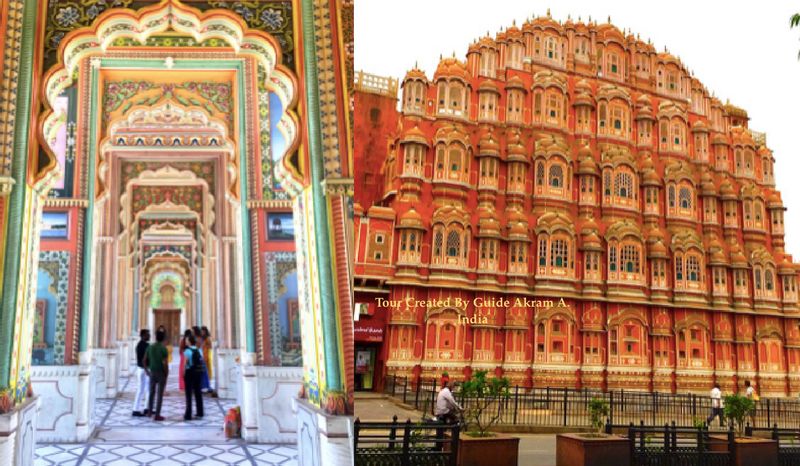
(265,160)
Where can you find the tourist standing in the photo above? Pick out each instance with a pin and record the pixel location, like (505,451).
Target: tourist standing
(716,406)
(192,371)
(143,382)
(207,350)
(167,343)
(184,343)
(198,335)
(158,370)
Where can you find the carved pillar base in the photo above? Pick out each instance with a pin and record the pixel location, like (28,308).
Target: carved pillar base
(18,433)
(247,396)
(133,340)
(226,372)
(321,435)
(66,392)
(269,417)
(124,355)
(107,380)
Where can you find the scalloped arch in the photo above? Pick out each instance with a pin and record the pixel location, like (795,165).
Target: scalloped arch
(171,15)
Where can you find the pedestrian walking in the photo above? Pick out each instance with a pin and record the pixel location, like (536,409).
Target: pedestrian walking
(717,406)
(207,350)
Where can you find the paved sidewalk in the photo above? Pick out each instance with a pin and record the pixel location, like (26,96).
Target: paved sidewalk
(534,449)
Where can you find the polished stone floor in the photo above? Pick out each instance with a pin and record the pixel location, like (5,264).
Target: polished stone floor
(122,439)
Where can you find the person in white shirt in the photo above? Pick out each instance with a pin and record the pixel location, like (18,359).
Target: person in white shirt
(446,405)
(749,391)
(717,406)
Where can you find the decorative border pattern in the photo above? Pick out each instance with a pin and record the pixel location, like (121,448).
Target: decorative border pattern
(326,75)
(60,260)
(278,264)
(10,79)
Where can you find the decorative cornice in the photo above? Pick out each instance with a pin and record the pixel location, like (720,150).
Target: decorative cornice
(338,187)
(269,204)
(65,202)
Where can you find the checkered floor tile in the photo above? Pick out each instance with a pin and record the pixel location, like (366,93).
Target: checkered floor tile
(170,447)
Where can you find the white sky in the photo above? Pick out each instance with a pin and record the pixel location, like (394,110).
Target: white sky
(741,50)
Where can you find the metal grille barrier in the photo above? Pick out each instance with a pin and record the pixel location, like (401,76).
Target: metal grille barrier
(569,407)
(788,442)
(405,444)
(674,446)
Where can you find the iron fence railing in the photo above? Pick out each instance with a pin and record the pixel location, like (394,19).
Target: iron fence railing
(570,407)
(673,446)
(788,442)
(405,444)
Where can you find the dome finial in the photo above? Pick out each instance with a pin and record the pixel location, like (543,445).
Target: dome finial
(548,12)
(609,19)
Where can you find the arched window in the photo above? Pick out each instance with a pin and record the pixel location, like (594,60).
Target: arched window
(630,258)
(453,244)
(623,185)
(556,176)
(612,258)
(693,268)
(685,197)
(437,244)
(768,280)
(758,278)
(559,253)
(540,174)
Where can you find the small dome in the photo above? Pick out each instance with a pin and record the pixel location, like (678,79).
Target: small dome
(414,134)
(415,74)
(451,67)
(587,165)
(411,219)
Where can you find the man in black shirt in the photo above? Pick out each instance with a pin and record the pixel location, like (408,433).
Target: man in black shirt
(141,376)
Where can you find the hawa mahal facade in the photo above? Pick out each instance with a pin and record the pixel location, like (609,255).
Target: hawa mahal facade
(572,163)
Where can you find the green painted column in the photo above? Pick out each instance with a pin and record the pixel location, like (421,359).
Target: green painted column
(88,238)
(16,205)
(333,375)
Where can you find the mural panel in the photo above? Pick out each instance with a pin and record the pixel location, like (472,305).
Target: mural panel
(50,318)
(283,308)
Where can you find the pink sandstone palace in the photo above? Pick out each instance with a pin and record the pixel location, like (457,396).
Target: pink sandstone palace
(571,208)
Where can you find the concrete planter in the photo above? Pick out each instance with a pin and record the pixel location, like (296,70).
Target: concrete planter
(753,451)
(498,450)
(592,450)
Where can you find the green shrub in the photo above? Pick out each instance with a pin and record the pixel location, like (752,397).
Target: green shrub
(598,410)
(737,409)
(483,394)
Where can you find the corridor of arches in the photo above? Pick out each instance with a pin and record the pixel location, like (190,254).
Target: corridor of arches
(179,173)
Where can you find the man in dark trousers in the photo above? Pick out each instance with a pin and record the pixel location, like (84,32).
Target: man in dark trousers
(141,376)
(157,369)
(191,377)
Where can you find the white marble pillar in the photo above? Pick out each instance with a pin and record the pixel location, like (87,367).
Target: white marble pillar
(67,399)
(267,403)
(18,434)
(248,396)
(321,435)
(107,381)
(226,373)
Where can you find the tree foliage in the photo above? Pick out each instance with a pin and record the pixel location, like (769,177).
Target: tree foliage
(794,21)
(483,395)
(598,410)
(738,408)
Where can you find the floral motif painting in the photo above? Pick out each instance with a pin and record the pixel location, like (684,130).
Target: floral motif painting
(52,291)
